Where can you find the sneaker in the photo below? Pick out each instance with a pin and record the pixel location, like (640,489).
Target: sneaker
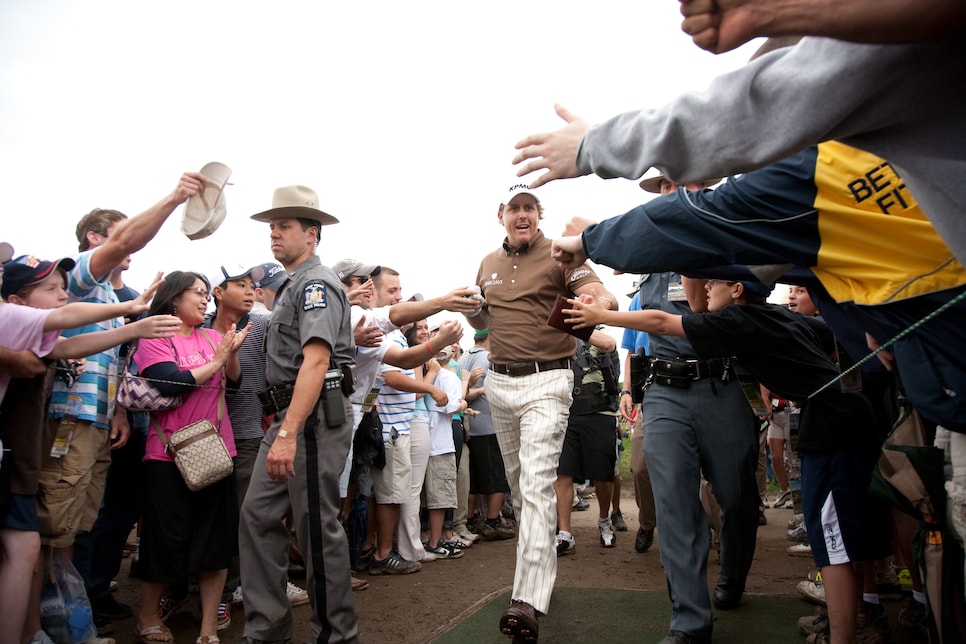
(785,496)
(475,525)
(466,535)
(500,531)
(565,546)
(237,598)
(297,596)
(40,637)
(224,616)
(393,564)
(814,623)
(812,591)
(450,546)
(607,537)
(358,584)
(815,575)
(580,504)
(800,550)
(428,555)
(617,520)
(799,534)
(169,605)
(365,558)
(796,520)
(762,519)
(462,543)
(108,607)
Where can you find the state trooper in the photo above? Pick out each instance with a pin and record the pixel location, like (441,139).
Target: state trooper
(310,352)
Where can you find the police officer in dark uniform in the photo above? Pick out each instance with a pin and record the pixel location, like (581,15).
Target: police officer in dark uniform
(310,350)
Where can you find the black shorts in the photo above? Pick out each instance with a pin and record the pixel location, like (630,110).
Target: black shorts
(845,523)
(589,449)
(183,531)
(487,473)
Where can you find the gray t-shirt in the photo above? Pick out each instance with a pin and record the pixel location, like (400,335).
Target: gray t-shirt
(482,423)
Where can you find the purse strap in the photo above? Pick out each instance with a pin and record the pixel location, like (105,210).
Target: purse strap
(221,398)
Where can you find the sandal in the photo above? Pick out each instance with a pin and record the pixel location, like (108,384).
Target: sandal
(155,633)
(208,639)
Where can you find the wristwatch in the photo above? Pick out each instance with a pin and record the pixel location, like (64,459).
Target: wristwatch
(625,392)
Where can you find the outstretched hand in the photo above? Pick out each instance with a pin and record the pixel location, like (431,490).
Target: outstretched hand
(366,336)
(568,251)
(585,312)
(718,25)
(554,151)
(142,302)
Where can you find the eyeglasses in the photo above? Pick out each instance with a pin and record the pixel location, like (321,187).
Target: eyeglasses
(199,290)
(712,282)
(355,280)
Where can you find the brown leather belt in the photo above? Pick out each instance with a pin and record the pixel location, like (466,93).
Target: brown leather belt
(517,369)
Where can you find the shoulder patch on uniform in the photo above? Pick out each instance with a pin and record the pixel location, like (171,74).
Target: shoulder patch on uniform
(313,296)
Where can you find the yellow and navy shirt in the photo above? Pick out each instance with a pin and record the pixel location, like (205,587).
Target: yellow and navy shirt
(844,213)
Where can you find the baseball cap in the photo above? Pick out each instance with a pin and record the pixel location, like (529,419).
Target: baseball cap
(516,190)
(222,274)
(27,270)
(482,333)
(268,275)
(346,268)
(758,288)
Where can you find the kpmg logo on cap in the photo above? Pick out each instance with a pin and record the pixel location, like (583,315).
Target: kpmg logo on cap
(518,186)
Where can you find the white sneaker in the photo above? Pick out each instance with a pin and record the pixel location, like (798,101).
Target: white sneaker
(565,546)
(812,591)
(237,598)
(427,557)
(466,535)
(296,595)
(40,637)
(796,520)
(800,550)
(607,537)
(462,543)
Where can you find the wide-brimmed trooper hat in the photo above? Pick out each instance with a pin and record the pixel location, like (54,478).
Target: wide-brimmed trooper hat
(296,201)
(653,183)
(204,212)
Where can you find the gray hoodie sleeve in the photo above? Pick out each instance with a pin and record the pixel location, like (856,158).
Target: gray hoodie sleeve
(769,109)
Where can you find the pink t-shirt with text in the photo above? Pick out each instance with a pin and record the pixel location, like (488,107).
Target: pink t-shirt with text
(193,351)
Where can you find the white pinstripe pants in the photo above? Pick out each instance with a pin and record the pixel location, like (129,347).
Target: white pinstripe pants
(530,417)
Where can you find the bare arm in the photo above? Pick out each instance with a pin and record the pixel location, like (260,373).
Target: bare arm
(588,313)
(723,25)
(133,234)
(87,344)
(77,314)
(603,341)
(450,331)
(627,401)
(280,462)
(597,291)
(400,381)
(456,301)
(21,364)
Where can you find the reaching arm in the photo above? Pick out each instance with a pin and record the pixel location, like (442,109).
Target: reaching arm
(450,331)
(87,344)
(723,25)
(597,291)
(133,234)
(588,313)
(400,381)
(456,301)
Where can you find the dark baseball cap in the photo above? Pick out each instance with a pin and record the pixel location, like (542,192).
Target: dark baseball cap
(268,275)
(27,270)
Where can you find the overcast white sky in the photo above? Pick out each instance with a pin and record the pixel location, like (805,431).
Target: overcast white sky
(402,116)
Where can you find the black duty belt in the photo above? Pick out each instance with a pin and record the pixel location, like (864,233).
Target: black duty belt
(517,369)
(678,372)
